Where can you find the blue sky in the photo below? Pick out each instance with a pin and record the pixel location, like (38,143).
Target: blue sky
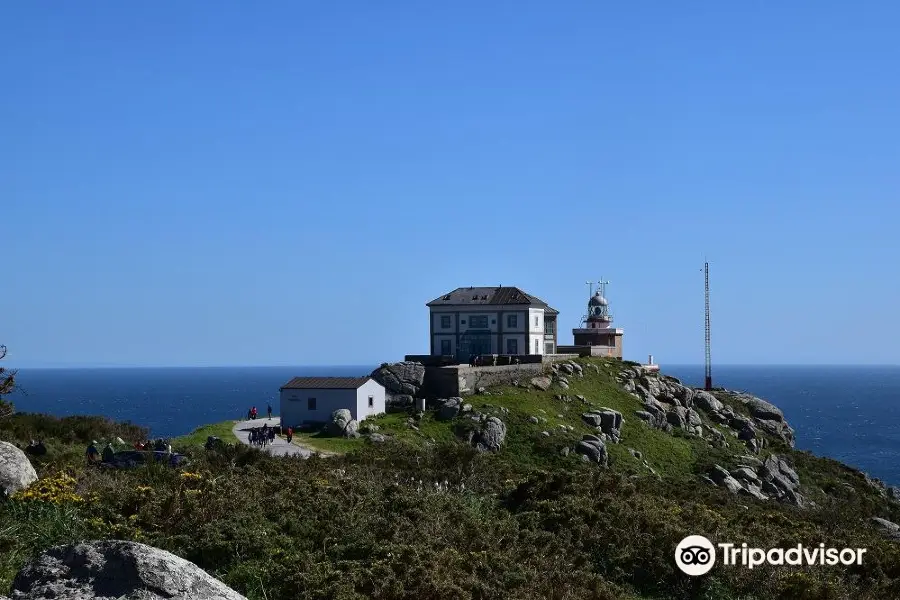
(283,183)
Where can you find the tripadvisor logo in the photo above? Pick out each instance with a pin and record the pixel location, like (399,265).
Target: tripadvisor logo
(695,555)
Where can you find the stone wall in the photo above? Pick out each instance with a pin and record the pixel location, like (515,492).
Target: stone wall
(440,382)
(560,356)
(462,380)
(585,350)
(578,350)
(472,378)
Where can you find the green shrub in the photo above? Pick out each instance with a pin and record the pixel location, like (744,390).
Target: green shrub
(525,523)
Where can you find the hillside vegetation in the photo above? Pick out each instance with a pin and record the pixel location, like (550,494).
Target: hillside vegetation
(423,514)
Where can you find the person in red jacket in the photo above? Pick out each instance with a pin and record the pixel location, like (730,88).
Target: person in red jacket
(290,434)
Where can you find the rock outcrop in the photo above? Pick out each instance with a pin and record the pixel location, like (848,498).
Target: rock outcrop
(108,570)
(592,449)
(560,372)
(542,383)
(607,421)
(780,481)
(489,437)
(668,404)
(707,402)
(884,490)
(773,479)
(16,472)
(888,528)
(723,478)
(402,382)
(449,408)
(343,424)
(566,369)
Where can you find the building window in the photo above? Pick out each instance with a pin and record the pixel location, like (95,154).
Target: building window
(445,348)
(512,321)
(549,327)
(445,321)
(548,348)
(371,401)
(535,320)
(537,346)
(463,321)
(311,404)
(480,322)
(512,346)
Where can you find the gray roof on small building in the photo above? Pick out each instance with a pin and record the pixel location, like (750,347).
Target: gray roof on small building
(325,383)
(491,296)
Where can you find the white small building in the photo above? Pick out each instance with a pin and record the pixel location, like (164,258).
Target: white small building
(313,399)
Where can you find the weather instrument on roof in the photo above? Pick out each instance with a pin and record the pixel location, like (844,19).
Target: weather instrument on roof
(598,306)
(595,334)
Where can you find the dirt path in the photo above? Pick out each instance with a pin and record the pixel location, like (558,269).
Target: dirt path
(278,447)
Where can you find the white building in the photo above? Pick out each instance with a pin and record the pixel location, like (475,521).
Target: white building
(491,320)
(313,399)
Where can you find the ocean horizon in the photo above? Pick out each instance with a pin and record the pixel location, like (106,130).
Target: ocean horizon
(846,412)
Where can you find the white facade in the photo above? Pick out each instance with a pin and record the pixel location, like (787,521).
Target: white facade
(474,321)
(510,330)
(535,331)
(315,405)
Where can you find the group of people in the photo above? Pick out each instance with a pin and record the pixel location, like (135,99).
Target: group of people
(253,413)
(36,448)
(262,436)
(108,454)
(95,456)
(476,360)
(158,445)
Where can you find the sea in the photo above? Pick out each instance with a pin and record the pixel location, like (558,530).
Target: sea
(849,413)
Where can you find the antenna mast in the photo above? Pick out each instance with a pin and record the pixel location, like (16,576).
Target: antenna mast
(708,375)
(602,285)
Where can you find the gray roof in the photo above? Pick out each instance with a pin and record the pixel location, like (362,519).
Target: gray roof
(490,296)
(325,383)
(598,300)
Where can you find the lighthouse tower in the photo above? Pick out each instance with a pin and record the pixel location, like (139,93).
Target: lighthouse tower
(596,328)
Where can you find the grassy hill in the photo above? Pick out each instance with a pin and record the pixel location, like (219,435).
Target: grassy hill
(198,437)
(425,515)
(673,455)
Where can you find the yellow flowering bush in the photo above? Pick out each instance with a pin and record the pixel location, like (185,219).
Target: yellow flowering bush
(191,482)
(57,489)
